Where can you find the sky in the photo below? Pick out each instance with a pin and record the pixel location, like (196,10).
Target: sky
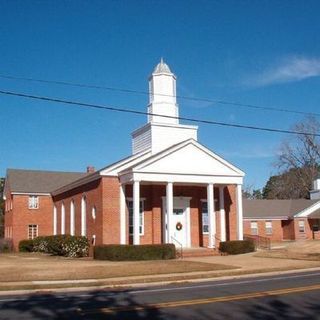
(264,53)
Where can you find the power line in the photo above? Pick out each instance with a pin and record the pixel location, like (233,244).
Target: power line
(121,109)
(217,101)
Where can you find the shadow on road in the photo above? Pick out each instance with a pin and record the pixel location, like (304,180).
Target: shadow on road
(47,306)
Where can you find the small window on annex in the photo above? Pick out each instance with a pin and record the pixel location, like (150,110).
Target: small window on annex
(33,202)
(301,226)
(268,227)
(254,228)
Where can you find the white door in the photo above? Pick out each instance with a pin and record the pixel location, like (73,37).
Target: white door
(179,226)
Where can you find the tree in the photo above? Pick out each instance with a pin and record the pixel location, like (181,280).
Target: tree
(297,162)
(249,193)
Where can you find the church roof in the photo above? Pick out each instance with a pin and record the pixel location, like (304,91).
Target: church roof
(26,181)
(162,67)
(275,208)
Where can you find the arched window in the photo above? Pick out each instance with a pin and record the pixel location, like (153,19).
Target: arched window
(83,216)
(63,219)
(94,212)
(54,220)
(72,218)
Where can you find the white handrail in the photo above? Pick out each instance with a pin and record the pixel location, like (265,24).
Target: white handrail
(179,244)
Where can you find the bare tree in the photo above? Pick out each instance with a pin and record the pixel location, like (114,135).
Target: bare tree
(300,155)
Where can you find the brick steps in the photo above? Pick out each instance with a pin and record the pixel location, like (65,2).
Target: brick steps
(199,252)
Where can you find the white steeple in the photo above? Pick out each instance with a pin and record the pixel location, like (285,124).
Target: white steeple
(162,95)
(161,132)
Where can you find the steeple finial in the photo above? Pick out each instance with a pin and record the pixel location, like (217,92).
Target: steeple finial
(162,67)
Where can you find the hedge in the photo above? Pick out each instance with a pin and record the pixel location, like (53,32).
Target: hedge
(60,245)
(134,252)
(237,246)
(26,246)
(6,245)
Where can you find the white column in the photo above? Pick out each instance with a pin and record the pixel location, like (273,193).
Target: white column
(136,212)
(239,213)
(222,214)
(169,205)
(55,220)
(122,215)
(211,215)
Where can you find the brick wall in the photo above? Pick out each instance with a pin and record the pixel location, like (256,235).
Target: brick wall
(92,192)
(20,217)
(277,230)
(307,234)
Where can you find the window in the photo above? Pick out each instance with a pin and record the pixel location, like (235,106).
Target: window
(254,228)
(32,231)
(72,218)
(55,220)
(205,217)
(301,226)
(63,219)
(84,216)
(141,217)
(33,202)
(268,227)
(94,212)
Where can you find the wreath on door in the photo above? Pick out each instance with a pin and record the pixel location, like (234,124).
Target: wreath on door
(179,226)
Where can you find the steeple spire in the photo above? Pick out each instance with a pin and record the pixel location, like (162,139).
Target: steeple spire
(162,67)
(162,89)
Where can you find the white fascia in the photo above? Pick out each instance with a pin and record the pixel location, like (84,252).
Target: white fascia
(179,178)
(31,193)
(113,170)
(306,212)
(266,218)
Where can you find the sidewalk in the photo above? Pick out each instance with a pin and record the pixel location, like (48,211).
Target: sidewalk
(242,265)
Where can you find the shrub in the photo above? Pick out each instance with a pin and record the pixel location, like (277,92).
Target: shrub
(6,245)
(60,245)
(26,246)
(134,252)
(237,246)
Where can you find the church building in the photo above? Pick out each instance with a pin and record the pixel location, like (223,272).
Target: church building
(171,189)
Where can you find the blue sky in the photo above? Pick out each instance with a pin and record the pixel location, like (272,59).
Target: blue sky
(255,52)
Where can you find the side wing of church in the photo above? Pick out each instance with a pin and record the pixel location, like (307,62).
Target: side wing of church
(172,189)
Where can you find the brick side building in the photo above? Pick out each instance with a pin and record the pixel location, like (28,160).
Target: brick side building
(172,189)
(293,219)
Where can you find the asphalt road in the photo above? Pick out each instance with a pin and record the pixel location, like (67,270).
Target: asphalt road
(290,296)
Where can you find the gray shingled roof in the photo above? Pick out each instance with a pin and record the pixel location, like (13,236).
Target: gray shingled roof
(274,208)
(37,181)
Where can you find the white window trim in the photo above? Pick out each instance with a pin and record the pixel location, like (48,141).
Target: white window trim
(38,202)
(142,200)
(266,228)
(32,235)
(257,228)
(304,226)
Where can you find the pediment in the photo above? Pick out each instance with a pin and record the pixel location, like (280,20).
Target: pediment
(189,157)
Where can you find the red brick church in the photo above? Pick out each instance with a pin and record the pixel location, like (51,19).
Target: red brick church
(171,189)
